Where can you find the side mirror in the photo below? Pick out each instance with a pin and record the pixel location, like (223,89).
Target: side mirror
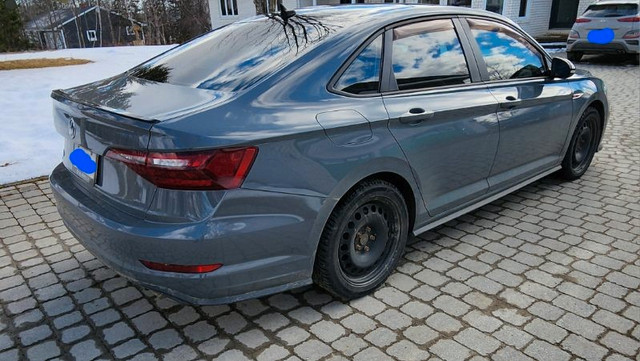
(562,68)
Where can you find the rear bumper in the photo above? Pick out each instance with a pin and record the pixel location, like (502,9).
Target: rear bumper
(261,238)
(617,46)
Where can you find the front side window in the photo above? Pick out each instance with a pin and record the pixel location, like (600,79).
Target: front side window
(507,54)
(363,74)
(428,54)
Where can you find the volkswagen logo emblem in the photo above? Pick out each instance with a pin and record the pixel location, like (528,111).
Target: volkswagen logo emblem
(72,129)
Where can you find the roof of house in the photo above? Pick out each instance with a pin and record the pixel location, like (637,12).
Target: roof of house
(57,18)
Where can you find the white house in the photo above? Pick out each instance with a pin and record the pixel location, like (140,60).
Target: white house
(537,17)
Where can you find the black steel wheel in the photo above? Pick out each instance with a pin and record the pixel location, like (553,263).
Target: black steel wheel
(583,146)
(363,240)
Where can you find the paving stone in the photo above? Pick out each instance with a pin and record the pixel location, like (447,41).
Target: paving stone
(419,334)
(482,322)
(443,322)
(450,350)
(85,350)
(541,350)
(581,326)
(406,351)
(293,335)
(312,350)
(199,331)
(381,337)
(252,338)
(34,335)
(273,353)
(306,315)
(43,351)
(620,343)
(545,331)
(358,323)
(513,336)
(165,339)
(349,345)
(581,347)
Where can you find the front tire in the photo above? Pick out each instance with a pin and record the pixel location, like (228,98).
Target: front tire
(574,56)
(363,240)
(583,146)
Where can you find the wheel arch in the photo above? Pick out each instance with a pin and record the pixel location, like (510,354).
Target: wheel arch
(393,170)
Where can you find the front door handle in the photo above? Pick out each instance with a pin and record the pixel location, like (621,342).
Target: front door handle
(510,103)
(415,116)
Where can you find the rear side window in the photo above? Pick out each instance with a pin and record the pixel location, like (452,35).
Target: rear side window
(507,54)
(363,74)
(239,55)
(611,10)
(428,54)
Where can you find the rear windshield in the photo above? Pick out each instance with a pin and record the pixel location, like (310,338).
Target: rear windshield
(611,10)
(239,55)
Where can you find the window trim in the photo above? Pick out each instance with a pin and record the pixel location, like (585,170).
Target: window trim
(480,60)
(331,86)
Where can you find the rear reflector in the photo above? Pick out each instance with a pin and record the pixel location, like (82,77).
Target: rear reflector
(177,268)
(582,20)
(214,169)
(633,19)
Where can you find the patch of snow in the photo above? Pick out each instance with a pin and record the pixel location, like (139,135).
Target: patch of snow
(29,144)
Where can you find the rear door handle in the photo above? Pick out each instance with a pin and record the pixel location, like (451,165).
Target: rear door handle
(510,103)
(415,116)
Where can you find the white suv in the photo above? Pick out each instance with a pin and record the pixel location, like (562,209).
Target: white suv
(610,27)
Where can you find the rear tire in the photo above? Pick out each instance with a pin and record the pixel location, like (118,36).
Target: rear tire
(583,146)
(363,240)
(574,56)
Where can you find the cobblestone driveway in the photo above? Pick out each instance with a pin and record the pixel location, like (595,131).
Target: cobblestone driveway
(550,272)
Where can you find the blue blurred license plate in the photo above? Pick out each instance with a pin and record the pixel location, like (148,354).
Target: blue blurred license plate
(84,163)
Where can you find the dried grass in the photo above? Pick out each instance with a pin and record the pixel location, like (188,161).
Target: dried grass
(40,63)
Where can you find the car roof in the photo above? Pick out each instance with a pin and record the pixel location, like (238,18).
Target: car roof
(382,14)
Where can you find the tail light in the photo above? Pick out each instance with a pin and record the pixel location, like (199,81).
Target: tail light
(633,19)
(212,170)
(633,34)
(574,34)
(582,20)
(178,268)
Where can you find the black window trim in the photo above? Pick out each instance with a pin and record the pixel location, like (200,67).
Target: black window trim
(546,59)
(331,86)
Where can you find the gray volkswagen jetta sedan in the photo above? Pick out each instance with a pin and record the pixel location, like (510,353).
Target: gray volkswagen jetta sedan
(307,146)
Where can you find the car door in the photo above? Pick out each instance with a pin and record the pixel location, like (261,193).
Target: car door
(534,110)
(445,123)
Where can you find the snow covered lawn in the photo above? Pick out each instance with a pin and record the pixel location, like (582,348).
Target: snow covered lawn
(29,143)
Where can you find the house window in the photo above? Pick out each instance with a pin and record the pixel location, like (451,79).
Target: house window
(130,31)
(523,8)
(466,3)
(91,35)
(495,6)
(229,7)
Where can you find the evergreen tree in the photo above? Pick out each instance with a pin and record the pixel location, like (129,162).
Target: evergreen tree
(11,36)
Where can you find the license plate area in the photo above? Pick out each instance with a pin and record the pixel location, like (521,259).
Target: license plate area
(82,162)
